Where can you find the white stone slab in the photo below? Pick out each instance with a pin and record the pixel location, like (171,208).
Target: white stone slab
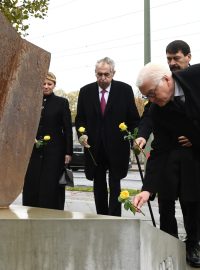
(42,239)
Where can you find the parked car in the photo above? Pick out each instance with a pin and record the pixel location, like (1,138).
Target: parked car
(78,161)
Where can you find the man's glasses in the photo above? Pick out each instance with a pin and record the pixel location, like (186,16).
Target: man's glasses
(107,75)
(152,92)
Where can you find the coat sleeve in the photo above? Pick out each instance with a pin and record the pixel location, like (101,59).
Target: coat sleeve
(133,117)
(153,174)
(80,119)
(145,127)
(67,128)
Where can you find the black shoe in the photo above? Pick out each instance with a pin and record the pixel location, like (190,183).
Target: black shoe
(193,255)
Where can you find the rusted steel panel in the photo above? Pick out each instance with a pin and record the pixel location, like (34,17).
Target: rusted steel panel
(23,67)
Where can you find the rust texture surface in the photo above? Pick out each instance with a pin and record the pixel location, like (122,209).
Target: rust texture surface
(23,67)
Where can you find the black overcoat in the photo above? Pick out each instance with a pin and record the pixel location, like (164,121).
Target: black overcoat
(120,108)
(41,188)
(168,159)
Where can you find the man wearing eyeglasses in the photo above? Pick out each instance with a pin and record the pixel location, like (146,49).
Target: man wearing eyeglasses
(102,106)
(178,57)
(173,169)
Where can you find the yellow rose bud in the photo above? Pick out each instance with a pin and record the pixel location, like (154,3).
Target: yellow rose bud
(123,126)
(81,129)
(47,138)
(124,194)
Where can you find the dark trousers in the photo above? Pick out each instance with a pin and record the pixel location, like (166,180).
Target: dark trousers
(106,203)
(192,221)
(168,221)
(181,173)
(191,217)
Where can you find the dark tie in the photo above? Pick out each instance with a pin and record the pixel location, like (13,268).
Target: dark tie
(178,100)
(103,101)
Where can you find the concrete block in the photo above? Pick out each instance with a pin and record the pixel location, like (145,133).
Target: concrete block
(35,238)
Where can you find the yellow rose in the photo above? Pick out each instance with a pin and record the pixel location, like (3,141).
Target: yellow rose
(81,129)
(47,138)
(124,194)
(123,126)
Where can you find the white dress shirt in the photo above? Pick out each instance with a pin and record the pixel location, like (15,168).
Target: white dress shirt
(106,94)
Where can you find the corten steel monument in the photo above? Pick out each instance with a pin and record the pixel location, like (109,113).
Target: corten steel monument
(23,67)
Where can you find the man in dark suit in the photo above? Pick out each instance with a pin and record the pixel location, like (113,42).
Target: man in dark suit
(102,106)
(173,169)
(178,57)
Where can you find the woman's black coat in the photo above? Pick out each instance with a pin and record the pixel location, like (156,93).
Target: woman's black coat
(41,188)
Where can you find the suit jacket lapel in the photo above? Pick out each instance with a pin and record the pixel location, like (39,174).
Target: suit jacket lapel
(95,98)
(112,98)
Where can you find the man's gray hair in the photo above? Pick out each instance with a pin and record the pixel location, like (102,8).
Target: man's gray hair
(106,60)
(151,71)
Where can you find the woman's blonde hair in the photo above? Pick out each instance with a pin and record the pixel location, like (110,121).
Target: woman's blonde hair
(50,76)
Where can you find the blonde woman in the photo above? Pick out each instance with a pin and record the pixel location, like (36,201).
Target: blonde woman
(53,149)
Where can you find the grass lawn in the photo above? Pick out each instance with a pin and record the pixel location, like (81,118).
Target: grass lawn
(132,192)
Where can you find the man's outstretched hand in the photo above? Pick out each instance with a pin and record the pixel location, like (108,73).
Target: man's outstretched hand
(140,199)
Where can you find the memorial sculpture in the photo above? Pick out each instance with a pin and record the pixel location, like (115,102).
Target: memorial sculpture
(23,67)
